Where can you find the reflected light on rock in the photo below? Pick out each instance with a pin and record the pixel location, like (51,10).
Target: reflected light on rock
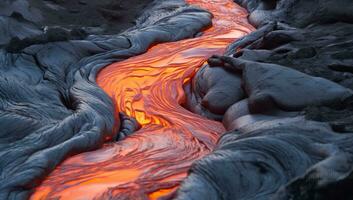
(152,162)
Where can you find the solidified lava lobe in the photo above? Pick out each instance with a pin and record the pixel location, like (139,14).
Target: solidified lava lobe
(152,162)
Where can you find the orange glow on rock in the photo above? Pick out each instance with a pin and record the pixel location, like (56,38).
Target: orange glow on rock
(152,162)
(162,192)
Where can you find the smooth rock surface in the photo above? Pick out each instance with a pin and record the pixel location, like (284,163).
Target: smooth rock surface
(51,107)
(298,60)
(258,159)
(213,90)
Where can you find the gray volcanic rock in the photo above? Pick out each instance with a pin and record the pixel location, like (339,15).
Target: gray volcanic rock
(51,107)
(213,90)
(22,7)
(288,89)
(255,161)
(234,112)
(330,179)
(300,59)
(298,12)
(268,86)
(16,27)
(239,115)
(25,19)
(318,50)
(296,69)
(108,16)
(128,126)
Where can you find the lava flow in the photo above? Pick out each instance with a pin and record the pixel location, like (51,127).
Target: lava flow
(153,161)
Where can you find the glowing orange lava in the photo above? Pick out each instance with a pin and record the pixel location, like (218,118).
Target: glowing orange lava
(152,162)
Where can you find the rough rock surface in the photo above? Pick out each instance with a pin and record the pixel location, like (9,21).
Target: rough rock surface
(51,107)
(104,16)
(256,160)
(291,134)
(284,92)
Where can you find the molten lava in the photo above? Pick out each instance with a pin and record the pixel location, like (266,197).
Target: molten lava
(152,162)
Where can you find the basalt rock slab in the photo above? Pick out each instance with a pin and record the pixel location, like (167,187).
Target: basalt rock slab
(51,107)
(256,160)
(289,89)
(330,179)
(268,86)
(298,13)
(213,90)
(317,50)
(16,26)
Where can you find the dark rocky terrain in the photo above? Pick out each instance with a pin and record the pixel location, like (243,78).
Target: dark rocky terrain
(51,107)
(290,126)
(31,17)
(283,92)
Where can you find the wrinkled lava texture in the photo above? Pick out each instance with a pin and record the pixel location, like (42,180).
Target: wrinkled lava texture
(128,84)
(149,88)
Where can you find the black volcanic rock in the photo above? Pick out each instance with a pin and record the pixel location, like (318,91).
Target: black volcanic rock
(295,69)
(50,104)
(284,92)
(128,126)
(289,89)
(299,13)
(112,16)
(213,90)
(16,26)
(256,160)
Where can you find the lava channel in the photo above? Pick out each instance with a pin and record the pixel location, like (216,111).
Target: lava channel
(153,161)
